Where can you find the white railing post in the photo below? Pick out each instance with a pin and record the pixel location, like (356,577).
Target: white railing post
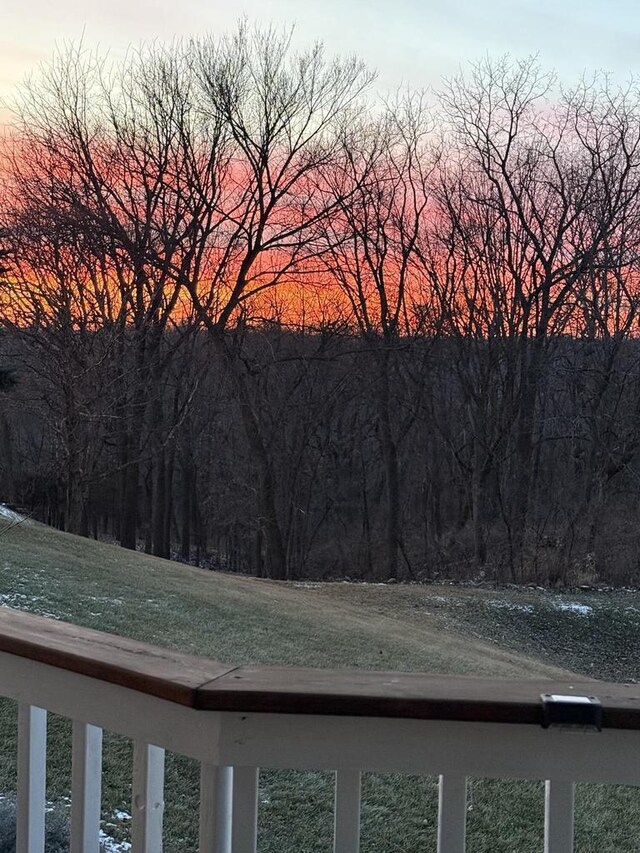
(215,808)
(86,788)
(558,817)
(452,814)
(32,779)
(148,798)
(244,821)
(346,832)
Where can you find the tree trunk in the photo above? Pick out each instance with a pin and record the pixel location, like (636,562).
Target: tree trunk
(392,473)
(276,563)
(185,534)
(481,502)
(129,485)
(522,474)
(158,504)
(168,501)
(7,462)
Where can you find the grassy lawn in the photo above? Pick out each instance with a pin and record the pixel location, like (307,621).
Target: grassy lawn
(242,620)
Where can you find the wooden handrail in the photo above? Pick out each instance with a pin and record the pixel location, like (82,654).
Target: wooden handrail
(205,684)
(149,669)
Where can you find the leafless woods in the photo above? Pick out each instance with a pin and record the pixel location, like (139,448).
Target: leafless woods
(264,322)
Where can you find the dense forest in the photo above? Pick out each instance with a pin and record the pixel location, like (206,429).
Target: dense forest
(255,319)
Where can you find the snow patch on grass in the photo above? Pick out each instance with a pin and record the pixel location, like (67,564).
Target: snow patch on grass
(7,514)
(28,603)
(104,599)
(510,605)
(22,601)
(110,845)
(574,607)
(13,599)
(121,815)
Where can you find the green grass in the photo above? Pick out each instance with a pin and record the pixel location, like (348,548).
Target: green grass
(242,620)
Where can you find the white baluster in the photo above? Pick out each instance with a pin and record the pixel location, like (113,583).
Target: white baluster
(148,798)
(558,817)
(452,814)
(32,779)
(86,788)
(346,831)
(215,808)
(244,822)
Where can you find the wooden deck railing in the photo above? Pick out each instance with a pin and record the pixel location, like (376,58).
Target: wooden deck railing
(234,720)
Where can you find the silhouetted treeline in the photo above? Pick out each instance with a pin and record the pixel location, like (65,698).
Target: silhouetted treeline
(266,322)
(315,395)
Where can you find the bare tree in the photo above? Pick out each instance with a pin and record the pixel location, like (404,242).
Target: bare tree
(553,180)
(97,170)
(283,112)
(374,253)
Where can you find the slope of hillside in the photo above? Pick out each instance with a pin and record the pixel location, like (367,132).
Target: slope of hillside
(592,632)
(228,617)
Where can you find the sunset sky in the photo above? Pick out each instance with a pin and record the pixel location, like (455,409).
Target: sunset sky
(408,41)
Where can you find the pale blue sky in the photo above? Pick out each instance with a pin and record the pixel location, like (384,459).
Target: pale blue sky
(407,41)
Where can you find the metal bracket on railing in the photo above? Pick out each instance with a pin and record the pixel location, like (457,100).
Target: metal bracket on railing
(577,713)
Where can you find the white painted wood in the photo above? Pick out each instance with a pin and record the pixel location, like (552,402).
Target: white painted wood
(32,778)
(216,797)
(86,788)
(558,817)
(113,708)
(244,823)
(429,747)
(147,806)
(346,829)
(452,814)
